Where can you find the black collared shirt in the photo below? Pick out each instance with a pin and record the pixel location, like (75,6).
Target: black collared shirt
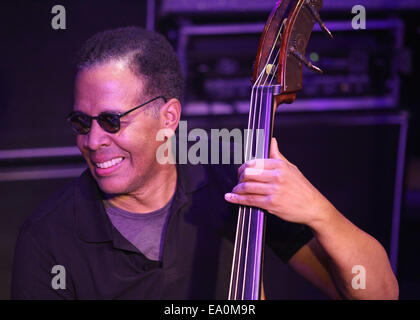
(72,230)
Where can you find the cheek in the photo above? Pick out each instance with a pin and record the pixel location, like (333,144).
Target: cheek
(141,147)
(127,141)
(142,134)
(83,150)
(80,140)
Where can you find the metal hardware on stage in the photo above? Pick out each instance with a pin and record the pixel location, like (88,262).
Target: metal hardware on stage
(228,6)
(361,67)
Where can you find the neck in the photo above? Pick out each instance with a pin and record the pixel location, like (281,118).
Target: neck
(153,195)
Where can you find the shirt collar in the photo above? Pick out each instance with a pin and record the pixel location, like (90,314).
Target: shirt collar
(92,222)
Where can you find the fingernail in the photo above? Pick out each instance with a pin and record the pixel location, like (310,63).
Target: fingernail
(228,196)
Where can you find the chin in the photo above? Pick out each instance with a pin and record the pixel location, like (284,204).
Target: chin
(112,187)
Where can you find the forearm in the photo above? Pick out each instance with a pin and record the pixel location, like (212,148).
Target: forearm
(281,189)
(346,246)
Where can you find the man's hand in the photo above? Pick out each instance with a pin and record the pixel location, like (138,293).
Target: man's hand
(278,186)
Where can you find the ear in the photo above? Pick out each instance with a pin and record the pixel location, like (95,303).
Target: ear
(170,114)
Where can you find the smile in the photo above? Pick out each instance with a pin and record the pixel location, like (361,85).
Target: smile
(109,163)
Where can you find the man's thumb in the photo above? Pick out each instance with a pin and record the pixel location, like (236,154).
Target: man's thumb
(274,151)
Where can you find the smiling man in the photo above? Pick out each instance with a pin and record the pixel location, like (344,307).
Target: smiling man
(124,163)
(132,228)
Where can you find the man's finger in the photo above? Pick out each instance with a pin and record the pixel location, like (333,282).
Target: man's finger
(259,165)
(252,175)
(252,188)
(258,201)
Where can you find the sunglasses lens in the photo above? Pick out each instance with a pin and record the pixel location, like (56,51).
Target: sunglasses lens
(109,122)
(80,123)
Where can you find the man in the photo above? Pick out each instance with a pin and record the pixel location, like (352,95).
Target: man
(133,228)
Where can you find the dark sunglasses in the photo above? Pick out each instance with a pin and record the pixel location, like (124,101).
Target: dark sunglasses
(110,122)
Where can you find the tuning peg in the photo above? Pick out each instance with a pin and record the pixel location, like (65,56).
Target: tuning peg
(302,59)
(316,16)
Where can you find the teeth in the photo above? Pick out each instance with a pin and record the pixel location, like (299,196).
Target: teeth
(110,163)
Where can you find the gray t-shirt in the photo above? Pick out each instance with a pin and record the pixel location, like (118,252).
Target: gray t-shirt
(145,231)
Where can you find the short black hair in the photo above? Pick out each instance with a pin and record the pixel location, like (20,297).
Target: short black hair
(150,57)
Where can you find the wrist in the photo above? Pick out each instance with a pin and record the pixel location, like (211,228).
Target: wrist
(324,217)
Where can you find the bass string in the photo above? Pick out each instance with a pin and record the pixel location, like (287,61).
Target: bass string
(270,77)
(244,210)
(257,83)
(248,210)
(260,216)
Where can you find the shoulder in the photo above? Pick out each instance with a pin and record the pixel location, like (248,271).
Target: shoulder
(58,200)
(43,242)
(54,216)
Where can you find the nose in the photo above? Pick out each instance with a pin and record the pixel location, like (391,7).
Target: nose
(96,138)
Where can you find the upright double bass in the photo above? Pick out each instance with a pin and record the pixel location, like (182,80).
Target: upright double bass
(276,79)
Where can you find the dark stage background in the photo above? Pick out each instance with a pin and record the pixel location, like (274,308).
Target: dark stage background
(354,131)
